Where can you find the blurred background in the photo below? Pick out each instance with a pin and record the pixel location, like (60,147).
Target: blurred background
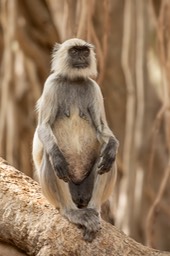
(132,39)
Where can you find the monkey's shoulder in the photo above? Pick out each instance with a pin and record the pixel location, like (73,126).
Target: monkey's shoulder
(55,82)
(66,92)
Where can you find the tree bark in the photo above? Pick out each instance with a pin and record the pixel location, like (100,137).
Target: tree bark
(29,222)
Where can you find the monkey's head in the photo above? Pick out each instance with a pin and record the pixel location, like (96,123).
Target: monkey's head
(74,58)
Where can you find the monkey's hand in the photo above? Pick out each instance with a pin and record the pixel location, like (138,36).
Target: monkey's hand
(87,219)
(59,165)
(108,156)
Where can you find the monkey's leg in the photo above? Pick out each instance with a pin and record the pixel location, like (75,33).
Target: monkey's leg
(37,151)
(55,189)
(103,187)
(107,211)
(57,192)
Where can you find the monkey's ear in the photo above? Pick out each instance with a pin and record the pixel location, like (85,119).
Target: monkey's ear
(91,46)
(56,48)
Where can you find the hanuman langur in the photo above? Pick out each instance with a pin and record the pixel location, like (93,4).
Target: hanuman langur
(74,150)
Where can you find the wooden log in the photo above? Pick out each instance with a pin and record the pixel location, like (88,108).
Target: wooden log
(30,223)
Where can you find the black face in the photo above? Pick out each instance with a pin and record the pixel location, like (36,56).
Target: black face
(79,56)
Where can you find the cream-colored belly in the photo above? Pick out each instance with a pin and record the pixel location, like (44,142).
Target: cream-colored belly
(78,141)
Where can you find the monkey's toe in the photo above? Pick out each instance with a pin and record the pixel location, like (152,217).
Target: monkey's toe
(91,221)
(89,235)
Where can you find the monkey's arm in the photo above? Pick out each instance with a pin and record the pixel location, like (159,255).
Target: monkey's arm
(47,108)
(104,134)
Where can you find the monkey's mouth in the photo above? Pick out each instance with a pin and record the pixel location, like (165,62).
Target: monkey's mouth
(80,65)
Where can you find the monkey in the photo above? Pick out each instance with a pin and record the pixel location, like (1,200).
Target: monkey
(74,150)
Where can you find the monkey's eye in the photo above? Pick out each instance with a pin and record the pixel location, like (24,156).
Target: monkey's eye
(73,51)
(86,52)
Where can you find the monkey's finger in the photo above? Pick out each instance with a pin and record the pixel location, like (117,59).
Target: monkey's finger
(62,174)
(89,236)
(105,167)
(63,177)
(102,171)
(107,160)
(102,164)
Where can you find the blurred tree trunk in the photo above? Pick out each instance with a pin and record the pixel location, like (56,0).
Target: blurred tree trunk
(156,155)
(134,100)
(28,39)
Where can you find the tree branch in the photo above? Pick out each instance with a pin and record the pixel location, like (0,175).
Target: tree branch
(29,222)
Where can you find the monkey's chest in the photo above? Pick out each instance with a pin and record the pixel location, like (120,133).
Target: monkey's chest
(76,137)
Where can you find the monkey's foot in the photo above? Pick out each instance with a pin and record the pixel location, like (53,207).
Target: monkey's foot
(87,219)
